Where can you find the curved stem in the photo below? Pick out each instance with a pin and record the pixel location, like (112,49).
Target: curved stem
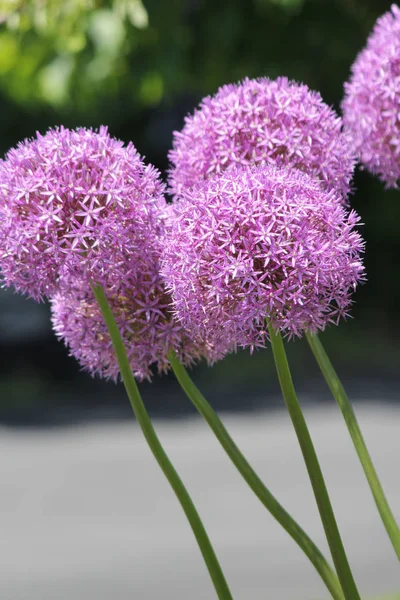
(314,470)
(158,451)
(344,404)
(261,491)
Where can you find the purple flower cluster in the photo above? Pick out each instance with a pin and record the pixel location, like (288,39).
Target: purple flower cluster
(260,121)
(258,230)
(256,243)
(371,106)
(78,206)
(74,202)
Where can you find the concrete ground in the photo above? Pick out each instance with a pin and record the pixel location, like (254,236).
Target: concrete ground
(86,514)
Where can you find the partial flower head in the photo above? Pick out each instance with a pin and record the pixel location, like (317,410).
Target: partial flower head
(260,121)
(73,202)
(371,105)
(255,243)
(143,313)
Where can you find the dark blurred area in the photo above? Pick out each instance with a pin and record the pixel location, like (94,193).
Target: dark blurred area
(139,68)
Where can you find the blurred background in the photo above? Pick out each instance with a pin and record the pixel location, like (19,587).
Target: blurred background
(140,67)
(76,519)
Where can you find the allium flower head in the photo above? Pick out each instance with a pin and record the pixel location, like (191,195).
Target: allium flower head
(260,121)
(143,313)
(371,106)
(260,242)
(73,201)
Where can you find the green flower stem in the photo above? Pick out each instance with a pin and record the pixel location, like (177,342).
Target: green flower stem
(168,469)
(343,401)
(314,470)
(268,500)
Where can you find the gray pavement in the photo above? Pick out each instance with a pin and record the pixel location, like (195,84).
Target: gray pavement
(85,513)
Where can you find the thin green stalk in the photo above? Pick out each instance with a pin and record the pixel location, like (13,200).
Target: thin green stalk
(158,451)
(268,500)
(344,404)
(314,470)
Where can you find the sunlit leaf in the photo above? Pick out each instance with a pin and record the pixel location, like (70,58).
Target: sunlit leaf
(54,80)
(107,32)
(134,11)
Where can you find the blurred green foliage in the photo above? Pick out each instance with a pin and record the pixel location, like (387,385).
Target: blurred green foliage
(62,52)
(72,54)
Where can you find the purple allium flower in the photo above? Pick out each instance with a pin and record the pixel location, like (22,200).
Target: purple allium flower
(371,105)
(260,121)
(260,242)
(143,313)
(73,202)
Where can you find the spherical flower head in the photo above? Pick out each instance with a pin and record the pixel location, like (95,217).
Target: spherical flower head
(257,243)
(73,201)
(371,105)
(260,121)
(143,312)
